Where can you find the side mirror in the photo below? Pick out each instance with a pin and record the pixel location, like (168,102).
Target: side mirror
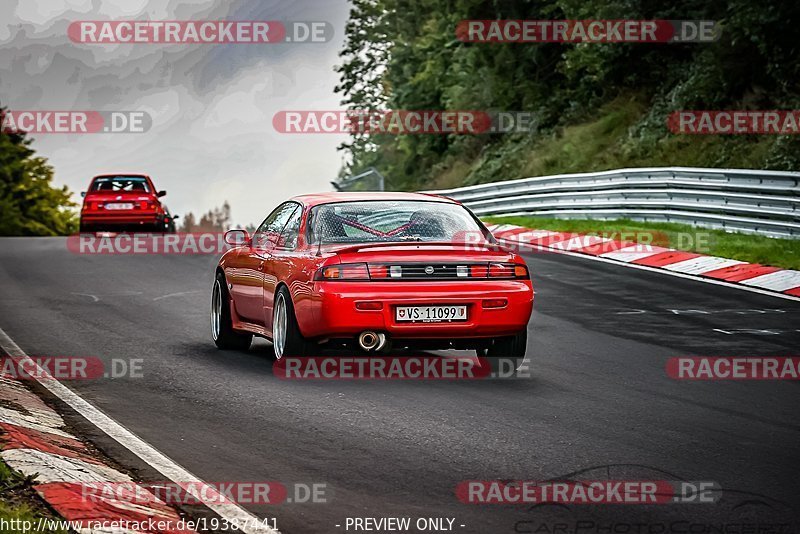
(162,193)
(83,193)
(175,217)
(237,238)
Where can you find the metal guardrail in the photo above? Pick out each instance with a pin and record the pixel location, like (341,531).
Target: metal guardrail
(749,201)
(358,183)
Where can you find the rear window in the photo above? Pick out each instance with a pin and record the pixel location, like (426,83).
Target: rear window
(120,183)
(379,221)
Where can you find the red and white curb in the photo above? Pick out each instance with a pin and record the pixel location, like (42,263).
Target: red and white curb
(751,276)
(66,464)
(34,442)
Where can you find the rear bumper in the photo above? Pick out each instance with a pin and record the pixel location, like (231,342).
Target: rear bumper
(122,219)
(333,313)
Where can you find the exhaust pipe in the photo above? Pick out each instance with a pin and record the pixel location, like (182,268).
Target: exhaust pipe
(370,341)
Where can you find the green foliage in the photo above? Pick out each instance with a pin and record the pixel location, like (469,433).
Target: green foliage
(29,203)
(20,503)
(403,54)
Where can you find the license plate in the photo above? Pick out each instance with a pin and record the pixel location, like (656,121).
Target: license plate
(431,314)
(119,206)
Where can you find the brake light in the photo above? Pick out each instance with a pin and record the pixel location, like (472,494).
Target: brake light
(501,270)
(378,271)
(343,271)
(478,271)
(507,270)
(364,271)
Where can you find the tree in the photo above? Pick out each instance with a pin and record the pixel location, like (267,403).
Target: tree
(29,203)
(405,55)
(188,224)
(215,220)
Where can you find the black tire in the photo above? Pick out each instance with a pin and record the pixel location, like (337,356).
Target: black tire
(295,344)
(84,228)
(506,352)
(225,337)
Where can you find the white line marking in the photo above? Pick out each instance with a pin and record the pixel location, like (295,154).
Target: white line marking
(94,298)
(179,294)
(157,460)
(661,271)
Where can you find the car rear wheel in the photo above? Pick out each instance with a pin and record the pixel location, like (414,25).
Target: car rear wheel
(286,337)
(222,331)
(506,354)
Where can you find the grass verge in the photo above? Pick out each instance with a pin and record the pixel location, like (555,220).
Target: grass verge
(20,505)
(783,253)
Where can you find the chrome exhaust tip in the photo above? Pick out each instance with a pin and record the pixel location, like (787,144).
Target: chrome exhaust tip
(368,340)
(381,342)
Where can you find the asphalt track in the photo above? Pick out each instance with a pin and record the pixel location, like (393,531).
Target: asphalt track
(598,397)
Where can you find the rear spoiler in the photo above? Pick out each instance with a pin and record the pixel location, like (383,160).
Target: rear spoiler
(410,244)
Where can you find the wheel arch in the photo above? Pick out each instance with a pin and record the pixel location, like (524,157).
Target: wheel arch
(278,287)
(297,317)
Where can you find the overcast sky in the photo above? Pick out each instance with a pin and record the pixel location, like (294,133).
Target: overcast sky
(212,104)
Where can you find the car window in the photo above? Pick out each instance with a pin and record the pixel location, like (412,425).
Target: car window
(381,221)
(267,234)
(114,184)
(288,238)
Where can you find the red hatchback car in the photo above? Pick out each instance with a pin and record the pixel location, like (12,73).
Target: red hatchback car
(371,270)
(123,202)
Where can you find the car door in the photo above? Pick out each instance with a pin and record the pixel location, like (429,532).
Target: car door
(244,275)
(250,298)
(281,262)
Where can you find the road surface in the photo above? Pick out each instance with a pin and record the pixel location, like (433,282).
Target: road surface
(598,396)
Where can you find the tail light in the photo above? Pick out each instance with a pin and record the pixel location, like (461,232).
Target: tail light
(343,271)
(378,271)
(363,271)
(478,271)
(507,270)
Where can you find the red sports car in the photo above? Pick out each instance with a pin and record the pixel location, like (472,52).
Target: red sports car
(371,270)
(123,202)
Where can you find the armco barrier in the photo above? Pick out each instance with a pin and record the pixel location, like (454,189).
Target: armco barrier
(751,201)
